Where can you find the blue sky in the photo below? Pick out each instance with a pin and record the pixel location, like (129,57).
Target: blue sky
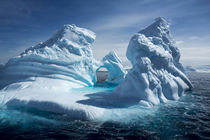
(24,23)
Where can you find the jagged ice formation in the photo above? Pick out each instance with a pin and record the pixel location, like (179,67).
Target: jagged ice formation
(156,75)
(66,57)
(45,76)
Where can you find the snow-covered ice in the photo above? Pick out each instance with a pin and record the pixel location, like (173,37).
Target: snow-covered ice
(156,75)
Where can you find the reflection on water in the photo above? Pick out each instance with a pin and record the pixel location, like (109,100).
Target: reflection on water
(187,118)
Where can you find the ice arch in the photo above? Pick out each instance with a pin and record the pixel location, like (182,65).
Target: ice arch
(102,75)
(114,66)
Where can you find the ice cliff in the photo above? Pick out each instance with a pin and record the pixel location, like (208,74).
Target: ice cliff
(156,75)
(66,58)
(114,65)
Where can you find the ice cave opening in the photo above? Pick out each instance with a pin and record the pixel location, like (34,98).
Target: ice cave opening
(102,74)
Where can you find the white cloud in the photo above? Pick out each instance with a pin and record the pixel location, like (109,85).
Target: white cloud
(120,21)
(179,42)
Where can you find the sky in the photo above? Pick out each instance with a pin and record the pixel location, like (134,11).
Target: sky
(25,23)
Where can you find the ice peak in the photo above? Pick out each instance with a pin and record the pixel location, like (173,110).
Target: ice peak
(69,36)
(159,28)
(68,28)
(112,56)
(72,28)
(161,22)
(112,53)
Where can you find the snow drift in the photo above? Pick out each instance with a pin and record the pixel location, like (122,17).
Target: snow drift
(65,59)
(156,75)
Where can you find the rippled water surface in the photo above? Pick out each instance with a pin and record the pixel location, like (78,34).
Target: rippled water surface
(187,118)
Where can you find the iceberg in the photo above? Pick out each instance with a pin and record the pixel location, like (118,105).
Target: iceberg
(59,75)
(53,75)
(64,60)
(115,68)
(156,75)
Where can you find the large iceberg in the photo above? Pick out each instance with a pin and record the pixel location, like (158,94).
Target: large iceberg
(115,68)
(65,60)
(58,75)
(156,75)
(48,75)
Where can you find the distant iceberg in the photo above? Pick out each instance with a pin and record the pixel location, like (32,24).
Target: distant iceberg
(190,69)
(203,68)
(156,75)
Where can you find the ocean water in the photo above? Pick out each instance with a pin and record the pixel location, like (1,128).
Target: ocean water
(187,118)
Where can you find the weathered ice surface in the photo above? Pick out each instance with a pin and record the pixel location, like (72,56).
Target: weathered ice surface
(64,60)
(156,75)
(58,75)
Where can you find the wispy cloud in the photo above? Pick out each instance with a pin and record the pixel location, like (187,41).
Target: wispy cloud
(178,42)
(120,21)
(193,37)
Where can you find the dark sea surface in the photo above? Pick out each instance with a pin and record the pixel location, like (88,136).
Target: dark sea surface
(187,118)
